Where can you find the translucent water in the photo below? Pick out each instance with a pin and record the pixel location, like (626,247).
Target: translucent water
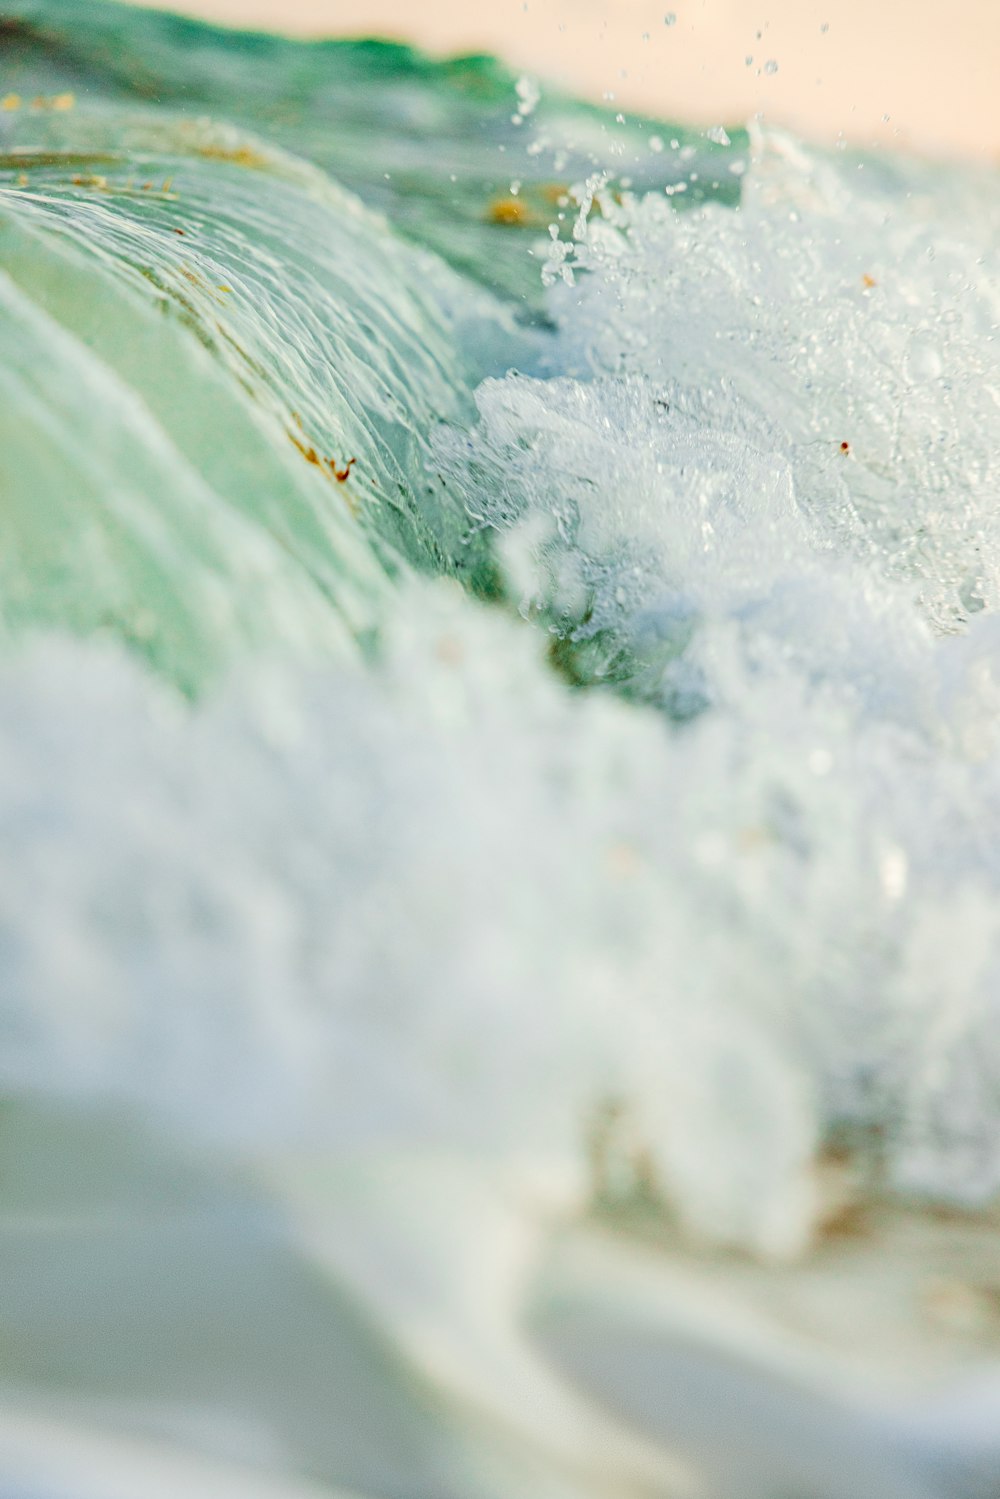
(498,726)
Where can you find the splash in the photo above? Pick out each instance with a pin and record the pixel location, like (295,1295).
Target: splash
(498,717)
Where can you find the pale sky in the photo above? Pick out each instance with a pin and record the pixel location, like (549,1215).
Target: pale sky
(842,65)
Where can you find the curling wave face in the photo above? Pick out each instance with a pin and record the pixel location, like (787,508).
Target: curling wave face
(498,717)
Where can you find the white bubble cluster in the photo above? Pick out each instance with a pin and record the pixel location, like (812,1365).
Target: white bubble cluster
(756,485)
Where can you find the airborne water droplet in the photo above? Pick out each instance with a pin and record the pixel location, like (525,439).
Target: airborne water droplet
(770,66)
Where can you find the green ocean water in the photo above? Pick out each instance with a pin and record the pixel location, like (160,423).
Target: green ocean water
(338,335)
(499,785)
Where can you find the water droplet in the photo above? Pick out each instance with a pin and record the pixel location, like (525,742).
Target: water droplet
(770,66)
(670,19)
(923,359)
(656,143)
(528,95)
(893,870)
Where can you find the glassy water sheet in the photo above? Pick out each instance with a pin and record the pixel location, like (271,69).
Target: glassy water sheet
(498,905)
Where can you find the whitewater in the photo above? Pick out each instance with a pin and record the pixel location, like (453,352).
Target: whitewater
(499,787)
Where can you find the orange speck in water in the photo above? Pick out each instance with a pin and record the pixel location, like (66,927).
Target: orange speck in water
(10,101)
(845,447)
(622,860)
(309,454)
(449,650)
(64,101)
(507,211)
(868,281)
(242,156)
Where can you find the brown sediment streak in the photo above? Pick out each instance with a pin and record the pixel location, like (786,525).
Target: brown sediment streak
(27,157)
(242,156)
(340,473)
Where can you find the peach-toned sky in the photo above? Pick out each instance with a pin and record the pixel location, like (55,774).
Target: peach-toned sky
(842,65)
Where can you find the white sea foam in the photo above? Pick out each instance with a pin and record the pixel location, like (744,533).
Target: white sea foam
(756,486)
(447,899)
(666,929)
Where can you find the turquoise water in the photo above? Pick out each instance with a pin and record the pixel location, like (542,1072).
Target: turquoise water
(500,785)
